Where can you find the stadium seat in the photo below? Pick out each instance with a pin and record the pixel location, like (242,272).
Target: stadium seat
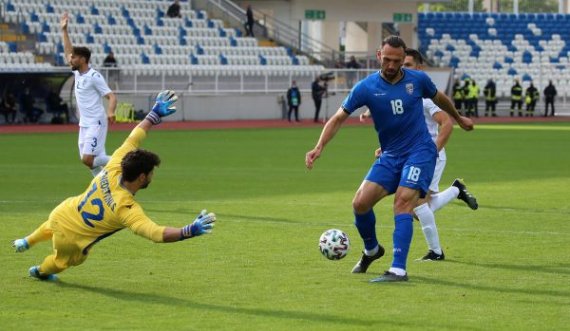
(499,44)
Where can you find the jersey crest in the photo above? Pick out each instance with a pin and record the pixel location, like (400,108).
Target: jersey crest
(410,88)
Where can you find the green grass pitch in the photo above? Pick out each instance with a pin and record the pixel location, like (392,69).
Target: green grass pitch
(507,267)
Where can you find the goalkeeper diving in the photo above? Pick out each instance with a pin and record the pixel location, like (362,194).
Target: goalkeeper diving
(108,205)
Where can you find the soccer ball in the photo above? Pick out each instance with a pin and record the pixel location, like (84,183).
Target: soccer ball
(334,244)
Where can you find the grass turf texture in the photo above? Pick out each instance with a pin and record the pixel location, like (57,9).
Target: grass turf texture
(507,263)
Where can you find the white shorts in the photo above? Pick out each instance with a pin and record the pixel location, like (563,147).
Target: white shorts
(92,139)
(437,173)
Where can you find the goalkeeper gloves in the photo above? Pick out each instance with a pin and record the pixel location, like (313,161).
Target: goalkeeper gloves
(163,106)
(201,225)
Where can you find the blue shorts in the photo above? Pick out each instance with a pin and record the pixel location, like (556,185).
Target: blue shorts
(414,170)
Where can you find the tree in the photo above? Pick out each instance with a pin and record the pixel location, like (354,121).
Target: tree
(529,6)
(454,5)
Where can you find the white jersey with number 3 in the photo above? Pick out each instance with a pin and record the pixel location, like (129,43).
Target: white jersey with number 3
(429,110)
(90,87)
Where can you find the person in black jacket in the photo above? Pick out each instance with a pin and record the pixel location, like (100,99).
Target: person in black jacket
(294,101)
(317,92)
(249,22)
(174,10)
(549,96)
(490,93)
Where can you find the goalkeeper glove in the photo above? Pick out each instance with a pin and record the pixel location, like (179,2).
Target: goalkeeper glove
(163,106)
(201,225)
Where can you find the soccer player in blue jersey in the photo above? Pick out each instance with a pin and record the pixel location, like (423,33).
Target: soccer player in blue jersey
(108,205)
(394,97)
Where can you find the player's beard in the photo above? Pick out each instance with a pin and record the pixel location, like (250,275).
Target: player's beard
(390,74)
(146,184)
(74,67)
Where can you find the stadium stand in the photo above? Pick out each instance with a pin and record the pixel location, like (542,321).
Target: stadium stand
(501,46)
(146,42)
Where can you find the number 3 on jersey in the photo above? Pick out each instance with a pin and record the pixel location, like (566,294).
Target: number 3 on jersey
(95,202)
(397,106)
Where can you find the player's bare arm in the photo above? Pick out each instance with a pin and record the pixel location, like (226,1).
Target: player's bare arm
(329,131)
(443,102)
(112,98)
(445,129)
(67,46)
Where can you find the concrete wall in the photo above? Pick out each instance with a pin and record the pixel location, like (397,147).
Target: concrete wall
(250,106)
(374,12)
(233,107)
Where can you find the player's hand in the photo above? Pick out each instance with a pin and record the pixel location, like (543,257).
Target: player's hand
(112,119)
(378,152)
(465,123)
(164,105)
(203,224)
(311,157)
(64,21)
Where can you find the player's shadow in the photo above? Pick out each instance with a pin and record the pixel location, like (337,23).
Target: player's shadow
(154,298)
(559,268)
(494,289)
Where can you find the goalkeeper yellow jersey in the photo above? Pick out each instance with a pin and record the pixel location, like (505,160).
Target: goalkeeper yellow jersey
(106,206)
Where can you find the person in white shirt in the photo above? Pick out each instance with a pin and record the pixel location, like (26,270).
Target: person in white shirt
(440,126)
(90,87)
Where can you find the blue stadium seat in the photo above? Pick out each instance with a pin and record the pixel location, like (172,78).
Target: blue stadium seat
(527,78)
(93,10)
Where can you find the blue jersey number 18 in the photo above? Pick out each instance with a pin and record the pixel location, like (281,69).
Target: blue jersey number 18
(397,106)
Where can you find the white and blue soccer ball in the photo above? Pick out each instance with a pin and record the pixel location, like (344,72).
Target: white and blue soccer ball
(334,244)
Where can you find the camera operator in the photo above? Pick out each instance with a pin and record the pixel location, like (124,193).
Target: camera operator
(319,90)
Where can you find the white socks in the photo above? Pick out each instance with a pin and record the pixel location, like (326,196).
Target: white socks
(427,220)
(95,171)
(372,251)
(101,160)
(397,271)
(441,199)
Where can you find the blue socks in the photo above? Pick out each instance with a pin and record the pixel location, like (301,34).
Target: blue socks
(366,225)
(402,238)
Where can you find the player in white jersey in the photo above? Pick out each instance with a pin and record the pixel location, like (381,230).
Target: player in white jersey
(90,87)
(440,126)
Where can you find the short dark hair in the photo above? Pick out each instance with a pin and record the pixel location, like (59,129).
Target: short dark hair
(83,52)
(394,41)
(138,162)
(418,58)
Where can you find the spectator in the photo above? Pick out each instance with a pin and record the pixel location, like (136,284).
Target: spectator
(249,22)
(31,113)
(110,61)
(317,92)
(549,96)
(174,10)
(351,74)
(8,107)
(294,101)
(112,74)
(59,108)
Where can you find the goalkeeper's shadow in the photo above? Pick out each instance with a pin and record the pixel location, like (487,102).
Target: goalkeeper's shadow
(153,298)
